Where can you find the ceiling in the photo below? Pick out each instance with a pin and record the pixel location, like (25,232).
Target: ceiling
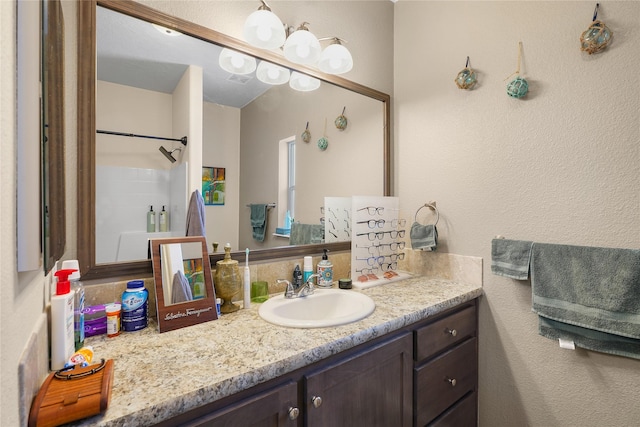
(134,53)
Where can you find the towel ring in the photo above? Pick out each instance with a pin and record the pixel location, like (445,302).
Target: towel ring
(428,205)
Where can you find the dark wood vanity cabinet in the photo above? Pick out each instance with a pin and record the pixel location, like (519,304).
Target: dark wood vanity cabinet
(424,374)
(446,370)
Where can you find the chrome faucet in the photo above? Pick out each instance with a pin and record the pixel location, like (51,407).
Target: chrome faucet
(303,290)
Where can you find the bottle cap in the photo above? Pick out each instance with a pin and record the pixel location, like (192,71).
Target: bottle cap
(324,256)
(63,286)
(308,263)
(135,284)
(72,264)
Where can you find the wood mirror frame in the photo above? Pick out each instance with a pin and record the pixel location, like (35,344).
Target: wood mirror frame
(86,242)
(187,313)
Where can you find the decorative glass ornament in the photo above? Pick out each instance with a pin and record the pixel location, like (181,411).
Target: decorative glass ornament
(517,88)
(341,120)
(306,135)
(323,143)
(466,79)
(597,36)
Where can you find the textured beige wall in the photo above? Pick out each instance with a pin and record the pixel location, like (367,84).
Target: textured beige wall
(561,166)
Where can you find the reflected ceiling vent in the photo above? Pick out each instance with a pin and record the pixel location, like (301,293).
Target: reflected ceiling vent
(240,79)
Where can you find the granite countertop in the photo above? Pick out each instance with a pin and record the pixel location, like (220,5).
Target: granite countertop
(158,376)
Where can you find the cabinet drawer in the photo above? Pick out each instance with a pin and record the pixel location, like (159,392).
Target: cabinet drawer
(444,333)
(462,414)
(444,380)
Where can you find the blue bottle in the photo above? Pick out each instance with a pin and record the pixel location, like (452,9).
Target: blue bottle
(135,302)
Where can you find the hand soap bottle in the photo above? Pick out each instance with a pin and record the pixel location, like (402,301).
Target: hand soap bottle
(325,272)
(151,221)
(164,220)
(62,345)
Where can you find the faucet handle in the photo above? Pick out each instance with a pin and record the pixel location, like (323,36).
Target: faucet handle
(289,292)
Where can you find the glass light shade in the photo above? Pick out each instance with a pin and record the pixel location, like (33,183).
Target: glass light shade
(303,83)
(264,29)
(236,62)
(272,74)
(302,47)
(335,59)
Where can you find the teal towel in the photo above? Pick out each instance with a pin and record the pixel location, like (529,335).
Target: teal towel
(424,237)
(511,258)
(306,234)
(588,295)
(259,221)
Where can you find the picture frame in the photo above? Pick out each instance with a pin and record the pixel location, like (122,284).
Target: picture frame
(213,185)
(185,294)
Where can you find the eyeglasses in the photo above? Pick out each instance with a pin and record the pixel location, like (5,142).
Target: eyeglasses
(398,222)
(393,257)
(373,260)
(367,274)
(394,245)
(372,249)
(389,266)
(372,235)
(372,223)
(372,210)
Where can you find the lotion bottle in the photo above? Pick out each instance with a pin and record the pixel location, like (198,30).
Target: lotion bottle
(307,269)
(77,289)
(151,221)
(62,345)
(164,220)
(325,272)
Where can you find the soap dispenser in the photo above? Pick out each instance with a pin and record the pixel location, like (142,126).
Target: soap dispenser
(62,341)
(228,282)
(151,221)
(164,220)
(325,271)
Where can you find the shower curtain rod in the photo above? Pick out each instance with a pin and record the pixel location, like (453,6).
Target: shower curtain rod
(183,140)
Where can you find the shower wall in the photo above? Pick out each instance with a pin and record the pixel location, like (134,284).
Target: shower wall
(123,198)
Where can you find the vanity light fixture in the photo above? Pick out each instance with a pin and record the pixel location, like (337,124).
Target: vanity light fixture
(272,74)
(303,83)
(167,31)
(302,47)
(264,29)
(236,62)
(335,58)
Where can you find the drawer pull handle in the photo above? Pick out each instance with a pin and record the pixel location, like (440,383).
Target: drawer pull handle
(293,413)
(452,332)
(452,381)
(316,401)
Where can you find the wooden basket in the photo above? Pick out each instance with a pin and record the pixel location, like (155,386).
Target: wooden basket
(72,394)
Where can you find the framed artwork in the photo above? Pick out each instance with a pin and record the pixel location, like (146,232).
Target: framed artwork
(213,185)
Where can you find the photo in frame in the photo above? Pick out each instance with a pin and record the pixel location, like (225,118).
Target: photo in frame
(185,294)
(213,185)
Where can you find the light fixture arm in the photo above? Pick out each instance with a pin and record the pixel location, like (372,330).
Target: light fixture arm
(264,6)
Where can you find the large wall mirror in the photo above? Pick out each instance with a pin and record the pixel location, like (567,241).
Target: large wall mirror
(243,132)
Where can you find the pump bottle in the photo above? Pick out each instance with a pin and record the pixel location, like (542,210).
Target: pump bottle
(151,221)
(62,345)
(164,220)
(77,289)
(325,272)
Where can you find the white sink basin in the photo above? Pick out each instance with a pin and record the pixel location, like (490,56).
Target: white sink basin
(326,307)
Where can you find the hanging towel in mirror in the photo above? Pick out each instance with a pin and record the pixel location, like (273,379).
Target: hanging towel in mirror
(195,215)
(180,289)
(424,237)
(259,221)
(511,258)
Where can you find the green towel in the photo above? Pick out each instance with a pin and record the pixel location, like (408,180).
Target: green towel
(579,290)
(424,237)
(511,258)
(259,221)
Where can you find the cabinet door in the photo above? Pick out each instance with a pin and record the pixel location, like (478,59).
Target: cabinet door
(372,388)
(267,409)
